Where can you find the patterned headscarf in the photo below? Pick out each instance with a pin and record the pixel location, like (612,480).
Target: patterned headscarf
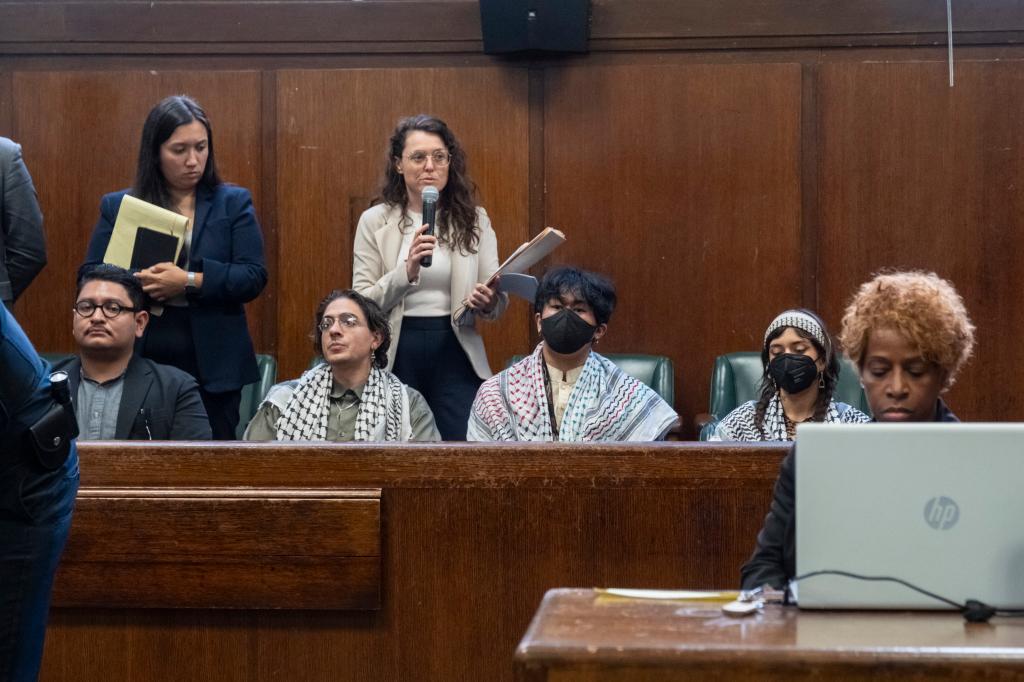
(800,320)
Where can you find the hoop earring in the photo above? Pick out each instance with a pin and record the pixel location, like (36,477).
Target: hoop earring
(821,381)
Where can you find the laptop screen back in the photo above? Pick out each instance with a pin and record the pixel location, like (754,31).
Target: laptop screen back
(938,505)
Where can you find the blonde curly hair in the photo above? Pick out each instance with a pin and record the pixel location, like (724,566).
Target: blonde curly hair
(922,307)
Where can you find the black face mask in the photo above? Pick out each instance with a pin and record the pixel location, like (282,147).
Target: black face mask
(793,373)
(566,332)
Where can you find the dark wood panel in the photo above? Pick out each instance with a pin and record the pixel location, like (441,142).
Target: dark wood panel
(140,523)
(734,18)
(207,582)
(915,174)
(221,21)
(332,144)
(682,183)
(81,131)
(223,548)
(397,26)
(473,537)
(6,104)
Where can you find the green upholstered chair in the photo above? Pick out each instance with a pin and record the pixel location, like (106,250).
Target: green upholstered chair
(655,371)
(736,378)
(54,358)
(254,393)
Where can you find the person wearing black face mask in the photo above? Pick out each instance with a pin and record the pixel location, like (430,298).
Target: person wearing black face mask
(801,370)
(565,391)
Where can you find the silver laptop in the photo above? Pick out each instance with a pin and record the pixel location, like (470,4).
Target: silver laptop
(938,505)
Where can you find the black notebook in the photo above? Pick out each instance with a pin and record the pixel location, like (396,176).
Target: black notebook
(152,247)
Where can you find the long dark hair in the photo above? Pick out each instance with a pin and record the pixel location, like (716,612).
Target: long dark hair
(376,320)
(457,203)
(830,375)
(162,121)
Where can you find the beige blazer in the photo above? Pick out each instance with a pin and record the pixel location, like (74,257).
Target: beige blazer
(375,275)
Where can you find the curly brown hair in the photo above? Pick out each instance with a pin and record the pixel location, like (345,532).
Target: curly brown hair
(376,321)
(922,307)
(457,203)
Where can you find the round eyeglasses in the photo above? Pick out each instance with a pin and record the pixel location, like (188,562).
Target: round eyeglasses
(111,309)
(347,321)
(439,157)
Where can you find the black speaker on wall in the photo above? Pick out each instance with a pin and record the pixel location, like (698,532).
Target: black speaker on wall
(535,25)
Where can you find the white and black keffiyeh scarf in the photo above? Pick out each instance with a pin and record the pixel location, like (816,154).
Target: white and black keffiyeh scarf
(383,411)
(740,424)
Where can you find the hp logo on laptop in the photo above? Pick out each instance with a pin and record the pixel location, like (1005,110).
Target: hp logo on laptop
(941,513)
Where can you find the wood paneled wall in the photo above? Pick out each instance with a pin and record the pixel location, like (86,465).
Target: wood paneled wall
(719,171)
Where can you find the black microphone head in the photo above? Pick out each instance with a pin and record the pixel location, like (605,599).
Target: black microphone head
(430,195)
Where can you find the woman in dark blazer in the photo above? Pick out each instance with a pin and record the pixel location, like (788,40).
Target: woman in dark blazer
(202,328)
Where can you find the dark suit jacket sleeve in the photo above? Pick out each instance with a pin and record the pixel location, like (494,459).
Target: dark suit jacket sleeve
(109,206)
(774,558)
(241,279)
(24,241)
(190,419)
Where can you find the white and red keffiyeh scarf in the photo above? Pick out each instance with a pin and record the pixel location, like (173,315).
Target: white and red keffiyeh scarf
(606,404)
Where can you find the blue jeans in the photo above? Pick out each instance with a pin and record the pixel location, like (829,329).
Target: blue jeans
(34,524)
(35,506)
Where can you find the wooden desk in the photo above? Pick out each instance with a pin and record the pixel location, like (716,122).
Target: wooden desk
(578,635)
(420,562)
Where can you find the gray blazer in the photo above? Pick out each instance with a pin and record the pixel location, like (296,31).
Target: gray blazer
(22,242)
(158,402)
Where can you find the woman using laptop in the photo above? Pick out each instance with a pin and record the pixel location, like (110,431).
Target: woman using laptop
(909,334)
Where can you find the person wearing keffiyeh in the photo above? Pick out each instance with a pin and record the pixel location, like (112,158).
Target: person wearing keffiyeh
(565,391)
(350,396)
(801,370)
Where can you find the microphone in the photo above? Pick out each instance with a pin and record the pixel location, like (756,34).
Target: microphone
(430,196)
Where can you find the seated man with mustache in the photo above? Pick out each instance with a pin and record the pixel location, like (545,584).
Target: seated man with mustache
(117,394)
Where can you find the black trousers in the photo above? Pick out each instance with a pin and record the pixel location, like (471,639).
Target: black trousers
(430,359)
(168,340)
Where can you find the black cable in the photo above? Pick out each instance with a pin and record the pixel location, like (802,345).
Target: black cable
(973,610)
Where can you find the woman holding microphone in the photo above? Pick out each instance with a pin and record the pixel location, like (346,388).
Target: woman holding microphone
(440,357)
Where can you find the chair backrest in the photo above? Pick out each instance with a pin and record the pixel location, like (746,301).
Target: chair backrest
(54,358)
(254,393)
(736,378)
(655,371)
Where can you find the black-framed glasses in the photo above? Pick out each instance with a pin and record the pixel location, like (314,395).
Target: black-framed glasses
(111,309)
(346,320)
(439,157)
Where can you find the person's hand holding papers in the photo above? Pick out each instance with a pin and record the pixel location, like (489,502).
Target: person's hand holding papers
(484,297)
(163,281)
